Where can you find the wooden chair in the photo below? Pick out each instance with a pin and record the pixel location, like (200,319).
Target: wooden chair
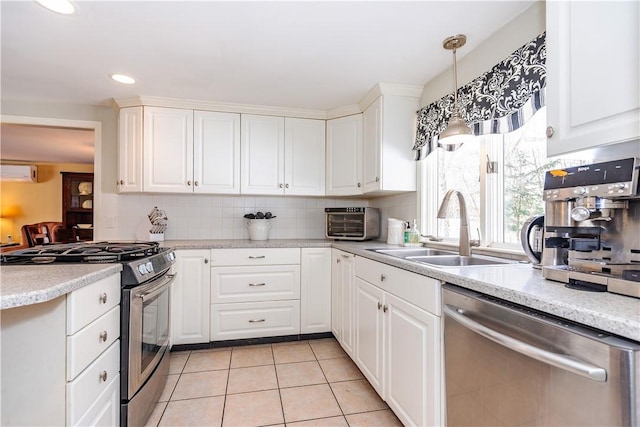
(43,233)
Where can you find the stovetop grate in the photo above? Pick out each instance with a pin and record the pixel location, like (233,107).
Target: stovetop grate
(83,252)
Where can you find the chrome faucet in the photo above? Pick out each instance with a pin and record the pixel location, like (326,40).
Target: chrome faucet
(465,244)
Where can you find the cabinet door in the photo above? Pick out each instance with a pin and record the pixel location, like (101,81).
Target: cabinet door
(130,142)
(412,361)
(372,135)
(262,153)
(304,166)
(347,284)
(593,75)
(369,332)
(168,150)
(344,156)
(216,153)
(315,290)
(336,295)
(190,297)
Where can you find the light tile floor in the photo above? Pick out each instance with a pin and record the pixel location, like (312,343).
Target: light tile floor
(305,383)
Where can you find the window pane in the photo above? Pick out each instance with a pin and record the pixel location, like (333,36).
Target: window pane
(459,170)
(525,163)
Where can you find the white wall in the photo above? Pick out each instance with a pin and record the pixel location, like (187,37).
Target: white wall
(501,44)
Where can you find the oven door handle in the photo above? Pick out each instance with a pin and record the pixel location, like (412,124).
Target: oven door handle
(561,361)
(158,289)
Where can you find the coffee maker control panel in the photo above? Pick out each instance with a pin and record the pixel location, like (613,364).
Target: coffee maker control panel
(611,179)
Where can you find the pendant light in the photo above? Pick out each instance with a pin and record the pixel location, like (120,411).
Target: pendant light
(457,131)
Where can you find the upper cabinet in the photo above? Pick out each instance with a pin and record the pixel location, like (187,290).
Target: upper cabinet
(389,133)
(282,156)
(178,151)
(593,74)
(344,156)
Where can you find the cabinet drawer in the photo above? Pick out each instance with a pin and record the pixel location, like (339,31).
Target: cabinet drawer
(421,291)
(90,384)
(88,303)
(87,344)
(254,319)
(105,411)
(255,256)
(260,283)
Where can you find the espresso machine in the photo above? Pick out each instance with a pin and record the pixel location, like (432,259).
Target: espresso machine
(592,227)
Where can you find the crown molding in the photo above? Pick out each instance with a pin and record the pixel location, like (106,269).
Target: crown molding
(194,104)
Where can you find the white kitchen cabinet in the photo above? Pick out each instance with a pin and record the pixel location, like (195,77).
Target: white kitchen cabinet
(216,153)
(315,290)
(190,297)
(389,133)
(397,339)
(282,156)
(168,150)
(304,157)
(130,150)
(66,373)
(171,150)
(593,74)
(342,298)
(344,156)
(255,293)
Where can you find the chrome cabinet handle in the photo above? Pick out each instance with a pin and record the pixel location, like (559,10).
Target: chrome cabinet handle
(345,256)
(256,320)
(195,183)
(377,179)
(385,308)
(103,298)
(359,185)
(550,131)
(382,277)
(206,261)
(256,257)
(568,363)
(286,186)
(379,305)
(337,260)
(257,284)
(103,376)
(188,183)
(103,336)
(281,186)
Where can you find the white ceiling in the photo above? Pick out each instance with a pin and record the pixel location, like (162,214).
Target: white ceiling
(314,55)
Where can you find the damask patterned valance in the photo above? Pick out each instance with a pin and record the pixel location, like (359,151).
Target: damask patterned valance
(499,101)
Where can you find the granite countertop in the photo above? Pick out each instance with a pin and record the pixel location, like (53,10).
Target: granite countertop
(518,283)
(31,284)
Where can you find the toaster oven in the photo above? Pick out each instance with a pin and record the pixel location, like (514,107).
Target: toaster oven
(352,223)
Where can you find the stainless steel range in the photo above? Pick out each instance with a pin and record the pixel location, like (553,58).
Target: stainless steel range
(145,279)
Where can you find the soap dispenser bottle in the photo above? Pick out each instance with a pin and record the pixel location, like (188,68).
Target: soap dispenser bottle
(414,235)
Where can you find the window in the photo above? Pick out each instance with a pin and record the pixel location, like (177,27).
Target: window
(498,199)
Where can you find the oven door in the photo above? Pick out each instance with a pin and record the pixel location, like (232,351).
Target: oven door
(148,330)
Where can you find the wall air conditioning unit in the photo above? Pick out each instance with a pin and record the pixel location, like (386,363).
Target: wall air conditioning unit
(19,173)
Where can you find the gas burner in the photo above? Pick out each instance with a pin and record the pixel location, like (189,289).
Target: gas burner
(84,252)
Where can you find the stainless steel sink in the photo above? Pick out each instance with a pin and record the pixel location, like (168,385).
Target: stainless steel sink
(458,260)
(411,252)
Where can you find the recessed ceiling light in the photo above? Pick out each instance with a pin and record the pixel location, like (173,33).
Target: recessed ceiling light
(60,6)
(123,78)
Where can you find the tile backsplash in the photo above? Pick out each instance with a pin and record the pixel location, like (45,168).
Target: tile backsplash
(218,217)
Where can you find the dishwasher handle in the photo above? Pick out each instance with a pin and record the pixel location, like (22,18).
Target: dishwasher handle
(561,361)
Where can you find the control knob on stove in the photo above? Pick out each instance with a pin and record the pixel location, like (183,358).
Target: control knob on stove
(142,268)
(579,191)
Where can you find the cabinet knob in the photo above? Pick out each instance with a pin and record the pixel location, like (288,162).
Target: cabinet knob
(337,260)
(379,305)
(385,308)
(377,179)
(359,185)
(121,182)
(281,186)
(103,376)
(195,183)
(103,298)
(286,186)
(206,261)
(550,131)
(103,336)
(189,183)
(382,277)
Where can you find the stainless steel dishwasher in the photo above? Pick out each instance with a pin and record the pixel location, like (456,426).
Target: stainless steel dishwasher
(507,365)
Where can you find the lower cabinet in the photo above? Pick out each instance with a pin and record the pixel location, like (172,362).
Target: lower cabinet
(190,297)
(61,359)
(255,292)
(315,290)
(342,297)
(397,339)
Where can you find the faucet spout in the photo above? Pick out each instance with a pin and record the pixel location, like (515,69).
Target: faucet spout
(465,245)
